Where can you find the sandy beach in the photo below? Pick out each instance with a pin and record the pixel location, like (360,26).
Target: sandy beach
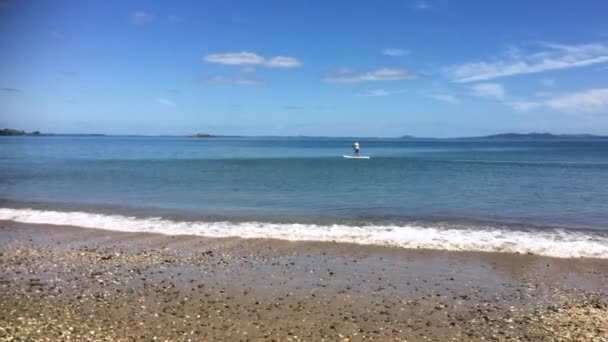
(62,283)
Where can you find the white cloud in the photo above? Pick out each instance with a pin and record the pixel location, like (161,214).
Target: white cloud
(349,76)
(236,58)
(283,62)
(395,52)
(248,69)
(558,56)
(165,102)
(141,17)
(379,92)
(249,81)
(388,75)
(489,90)
(446,98)
(250,58)
(587,101)
(591,100)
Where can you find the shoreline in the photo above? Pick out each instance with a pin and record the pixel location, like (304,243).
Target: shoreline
(60,282)
(449,236)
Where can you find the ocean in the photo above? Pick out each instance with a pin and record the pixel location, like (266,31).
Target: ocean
(525,196)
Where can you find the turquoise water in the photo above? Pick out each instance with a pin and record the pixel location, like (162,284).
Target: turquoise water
(563,183)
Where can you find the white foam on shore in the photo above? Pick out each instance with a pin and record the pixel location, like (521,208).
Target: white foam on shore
(549,242)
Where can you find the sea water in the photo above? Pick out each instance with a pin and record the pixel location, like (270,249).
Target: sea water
(545,197)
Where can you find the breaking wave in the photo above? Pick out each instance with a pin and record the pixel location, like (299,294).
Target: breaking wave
(554,242)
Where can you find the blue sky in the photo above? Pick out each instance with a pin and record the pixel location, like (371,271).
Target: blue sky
(339,68)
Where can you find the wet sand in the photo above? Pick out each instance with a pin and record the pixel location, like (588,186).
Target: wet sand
(66,283)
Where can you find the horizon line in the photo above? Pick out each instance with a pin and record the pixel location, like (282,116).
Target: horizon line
(405,136)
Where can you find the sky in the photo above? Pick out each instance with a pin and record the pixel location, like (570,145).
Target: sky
(319,68)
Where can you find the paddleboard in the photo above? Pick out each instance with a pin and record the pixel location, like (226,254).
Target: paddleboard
(359,157)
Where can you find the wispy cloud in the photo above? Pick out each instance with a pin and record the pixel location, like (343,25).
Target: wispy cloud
(236,58)
(248,69)
(350,76)
(548,82)
(554,57)
(587,101)
(525,106)
(69,73)
(174,18)
(251,58)
(379,92)
(9,90)
(446,98)
(422,5)
(591,100)
(543,94)
(493,91)
(292,107)
(216,79)
(283,62)
(141,17)
(56,34)
(395,52)
(165,102)
(249,81)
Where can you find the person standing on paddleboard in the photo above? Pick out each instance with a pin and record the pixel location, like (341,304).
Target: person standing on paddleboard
(356,148)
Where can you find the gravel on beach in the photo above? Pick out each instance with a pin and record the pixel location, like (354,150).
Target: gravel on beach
(72,284)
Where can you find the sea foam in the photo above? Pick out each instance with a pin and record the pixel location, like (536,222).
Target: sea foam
(549,242)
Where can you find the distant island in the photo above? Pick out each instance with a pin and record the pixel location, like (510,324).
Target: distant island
(201,135)
(519,136)
(80,135)
(10,132)
(500,136)
(543,136)
(15,132)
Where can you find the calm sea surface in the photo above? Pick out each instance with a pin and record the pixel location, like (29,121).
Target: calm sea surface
(536,183)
